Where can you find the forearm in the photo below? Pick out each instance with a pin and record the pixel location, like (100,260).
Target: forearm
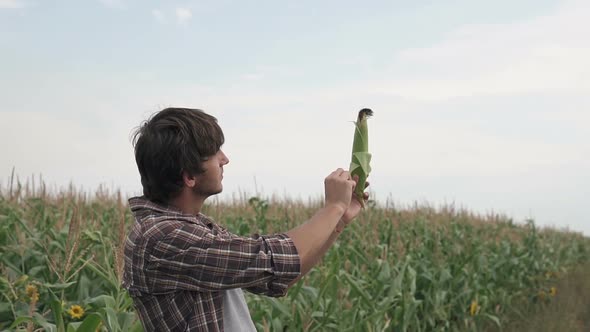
(327,245)
(333,237)
(313,238)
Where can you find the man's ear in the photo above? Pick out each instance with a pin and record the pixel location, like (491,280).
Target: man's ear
(188,179)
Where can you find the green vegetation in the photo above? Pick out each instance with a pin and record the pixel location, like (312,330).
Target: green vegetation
(568,311)
(411,269)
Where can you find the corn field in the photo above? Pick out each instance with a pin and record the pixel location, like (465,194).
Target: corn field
(412,268)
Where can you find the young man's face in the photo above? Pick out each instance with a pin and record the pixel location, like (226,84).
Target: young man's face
(209,183)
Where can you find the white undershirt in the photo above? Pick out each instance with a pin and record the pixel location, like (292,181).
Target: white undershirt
(236,316)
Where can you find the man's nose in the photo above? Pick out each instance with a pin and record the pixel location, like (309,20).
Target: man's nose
(224,159)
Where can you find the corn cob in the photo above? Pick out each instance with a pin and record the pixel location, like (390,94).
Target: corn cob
(361,158)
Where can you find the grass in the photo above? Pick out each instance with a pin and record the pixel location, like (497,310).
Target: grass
(411,268)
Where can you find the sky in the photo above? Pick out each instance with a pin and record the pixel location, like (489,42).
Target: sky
(480,104)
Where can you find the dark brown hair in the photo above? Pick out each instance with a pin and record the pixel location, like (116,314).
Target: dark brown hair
(172,141)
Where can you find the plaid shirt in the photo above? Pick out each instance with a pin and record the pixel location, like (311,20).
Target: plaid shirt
(177,266)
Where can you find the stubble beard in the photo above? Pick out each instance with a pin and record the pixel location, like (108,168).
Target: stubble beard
(206,192)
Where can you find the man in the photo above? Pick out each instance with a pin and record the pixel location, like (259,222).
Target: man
(184,271)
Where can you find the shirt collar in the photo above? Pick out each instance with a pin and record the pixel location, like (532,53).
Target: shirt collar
(139,203)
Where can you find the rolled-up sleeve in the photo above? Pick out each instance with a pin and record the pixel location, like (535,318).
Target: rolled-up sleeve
(193,257)
(285,261)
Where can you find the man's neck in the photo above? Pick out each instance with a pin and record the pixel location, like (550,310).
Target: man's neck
(188,203)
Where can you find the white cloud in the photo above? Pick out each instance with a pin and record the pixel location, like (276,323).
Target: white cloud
(457,150)
(183,15)
(546,54)
(117,4)
(11,4)
(253,76)
(66,150)
(159,15)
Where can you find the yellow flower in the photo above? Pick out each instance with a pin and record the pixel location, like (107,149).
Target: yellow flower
(473,308)
(32,292)
(553,291)
(76,311)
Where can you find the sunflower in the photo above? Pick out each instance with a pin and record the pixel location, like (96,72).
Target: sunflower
(32,292)
(553,291)
(76,311)
(473,308)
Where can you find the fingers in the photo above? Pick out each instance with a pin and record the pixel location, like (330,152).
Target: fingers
(344,175)
(356,180)
(341,173)
(339,186)
(337,172)
(365,196)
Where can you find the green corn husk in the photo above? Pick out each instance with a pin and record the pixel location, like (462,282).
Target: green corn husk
(361,158)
